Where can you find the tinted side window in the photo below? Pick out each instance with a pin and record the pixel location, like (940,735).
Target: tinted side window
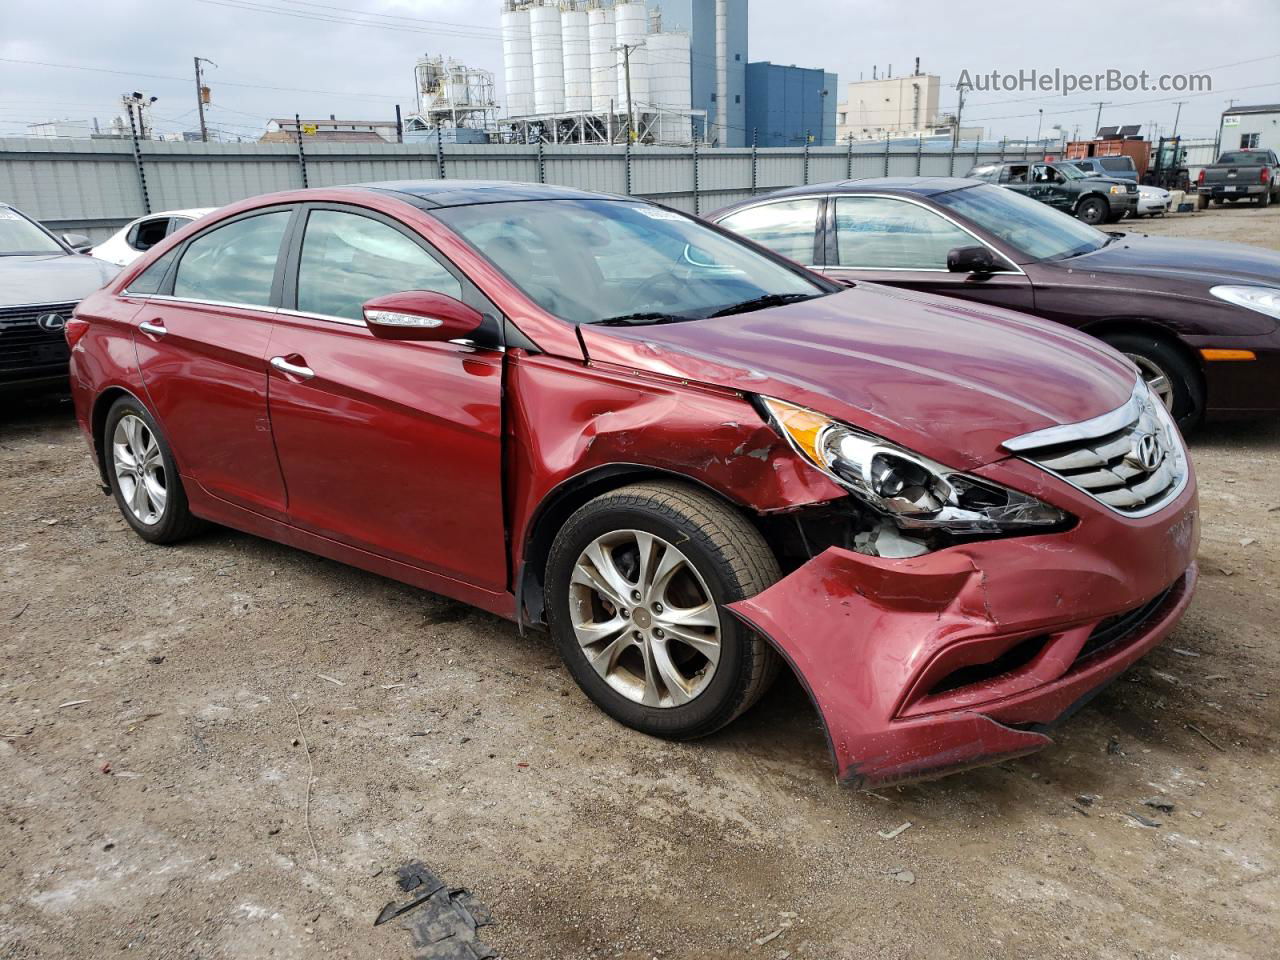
(1117,163)
(348,259)
(235,263)
(150,279)
(883,232)
(983,173)
(786,227)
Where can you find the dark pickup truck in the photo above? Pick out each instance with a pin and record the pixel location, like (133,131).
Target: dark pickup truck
(1240,175)
(1063,186)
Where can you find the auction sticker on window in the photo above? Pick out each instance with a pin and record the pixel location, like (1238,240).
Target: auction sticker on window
(657,213)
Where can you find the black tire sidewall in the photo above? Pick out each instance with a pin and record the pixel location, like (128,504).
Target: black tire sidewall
(1092,202)
(1188,394)
(175,509)
(708,711)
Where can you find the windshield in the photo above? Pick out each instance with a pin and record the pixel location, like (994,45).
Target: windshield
(1243,157)
(1071,171)
(1039,231)
(19,236)
(621,261)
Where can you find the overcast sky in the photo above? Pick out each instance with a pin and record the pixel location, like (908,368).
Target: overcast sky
(312,59)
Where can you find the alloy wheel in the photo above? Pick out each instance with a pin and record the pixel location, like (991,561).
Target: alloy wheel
(139,468)
(644,618)
(1156,378)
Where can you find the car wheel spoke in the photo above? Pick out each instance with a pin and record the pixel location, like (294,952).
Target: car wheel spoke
(605,661)
(707,644)
(669,673)
(591,633)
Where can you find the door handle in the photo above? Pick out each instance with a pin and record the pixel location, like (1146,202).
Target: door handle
(156,329)
(284,366)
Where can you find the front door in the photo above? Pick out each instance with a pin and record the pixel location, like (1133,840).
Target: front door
(394,447)
(201,343)
(904,243)
(1049,186)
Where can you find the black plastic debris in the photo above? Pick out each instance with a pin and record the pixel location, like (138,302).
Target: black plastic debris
(442,920)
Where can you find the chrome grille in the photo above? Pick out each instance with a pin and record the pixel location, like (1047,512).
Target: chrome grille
(1130,459)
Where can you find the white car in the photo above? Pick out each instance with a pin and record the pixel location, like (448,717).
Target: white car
(134,239)
(1152,200)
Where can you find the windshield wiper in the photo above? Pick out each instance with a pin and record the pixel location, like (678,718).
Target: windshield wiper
(640,319)
(760,303)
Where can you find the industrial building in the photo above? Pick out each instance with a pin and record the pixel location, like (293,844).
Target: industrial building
(331,130)
(455,103)
(1254,127)
(889,106)
(593,71)
(788,105)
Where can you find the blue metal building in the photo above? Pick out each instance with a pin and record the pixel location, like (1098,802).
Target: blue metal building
(698,19)
(786,104)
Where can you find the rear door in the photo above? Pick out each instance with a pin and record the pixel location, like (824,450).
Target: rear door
(393,447)
(790,227)
(904,243)
(201,343)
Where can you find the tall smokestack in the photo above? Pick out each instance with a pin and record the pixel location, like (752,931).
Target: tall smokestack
(722,71)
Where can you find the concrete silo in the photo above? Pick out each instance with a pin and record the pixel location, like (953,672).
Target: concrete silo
(548,58)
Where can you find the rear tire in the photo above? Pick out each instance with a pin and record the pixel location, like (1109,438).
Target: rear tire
(1158,358)
(1093,211)
(1265,199)
(143,475)
(612,639)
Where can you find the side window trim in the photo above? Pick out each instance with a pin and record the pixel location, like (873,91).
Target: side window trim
(165,292)
(291,261)
(1012,268)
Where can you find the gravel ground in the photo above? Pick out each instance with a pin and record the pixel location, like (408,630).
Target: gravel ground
(156,705)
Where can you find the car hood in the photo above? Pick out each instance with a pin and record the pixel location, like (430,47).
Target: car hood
(948,379)
(1204,262)
(52,278)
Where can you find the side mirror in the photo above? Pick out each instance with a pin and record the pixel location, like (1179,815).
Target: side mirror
(421,315)
(970,260)
(77,242)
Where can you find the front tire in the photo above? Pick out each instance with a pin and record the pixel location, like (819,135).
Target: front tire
(1093,211)
(637,581)
(1167,372)
(143,477)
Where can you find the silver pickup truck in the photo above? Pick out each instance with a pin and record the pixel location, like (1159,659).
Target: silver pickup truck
(1241,174)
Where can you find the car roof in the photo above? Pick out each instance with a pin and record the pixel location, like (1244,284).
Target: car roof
(458,193)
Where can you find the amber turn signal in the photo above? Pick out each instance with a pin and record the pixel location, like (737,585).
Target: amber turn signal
(1211,353)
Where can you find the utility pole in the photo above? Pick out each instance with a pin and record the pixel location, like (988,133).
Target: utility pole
(1097,125)
(626,49)
(1039,124)
(1180,104)
(961,89)
(202,92)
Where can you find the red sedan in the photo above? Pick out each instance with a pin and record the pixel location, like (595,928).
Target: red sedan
(687,457)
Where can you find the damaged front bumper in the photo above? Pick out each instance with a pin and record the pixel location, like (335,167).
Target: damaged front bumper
(964,656)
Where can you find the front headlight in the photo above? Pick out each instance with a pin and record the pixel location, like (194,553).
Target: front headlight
(911,489)
(1116,188)
(1263,299)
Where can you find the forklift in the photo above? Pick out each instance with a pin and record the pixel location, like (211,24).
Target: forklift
(1168,169)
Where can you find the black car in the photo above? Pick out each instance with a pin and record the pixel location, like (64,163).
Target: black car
(1094,199)
(42,278)
(1201,320)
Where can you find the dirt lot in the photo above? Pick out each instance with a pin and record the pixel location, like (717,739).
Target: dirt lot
(166,811)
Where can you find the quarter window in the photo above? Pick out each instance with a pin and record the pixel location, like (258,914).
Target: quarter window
(235,263)
(885,233)
(786,227)
(348,259)
(149,280)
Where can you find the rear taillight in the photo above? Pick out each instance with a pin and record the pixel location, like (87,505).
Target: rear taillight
(1265,175)
(1200,177)
(75,330)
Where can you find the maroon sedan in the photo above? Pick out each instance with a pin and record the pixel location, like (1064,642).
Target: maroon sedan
(687,457)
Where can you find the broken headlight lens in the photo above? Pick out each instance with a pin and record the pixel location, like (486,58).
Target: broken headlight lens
(913,490)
